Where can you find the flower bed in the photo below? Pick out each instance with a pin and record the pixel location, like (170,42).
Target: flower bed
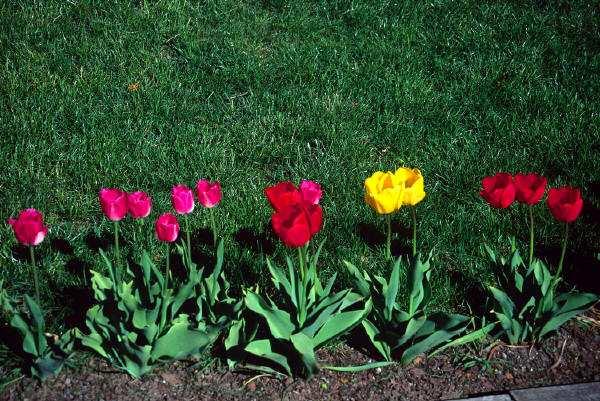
(145,315)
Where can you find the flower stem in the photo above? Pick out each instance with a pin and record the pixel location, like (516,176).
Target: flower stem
(563,251)
(388,248)
(214,226)
(35,275)
(530,235)
(414,238)
(167,268)
(187,232)
(117,251)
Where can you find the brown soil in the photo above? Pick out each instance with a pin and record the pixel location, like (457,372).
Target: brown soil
(440,377)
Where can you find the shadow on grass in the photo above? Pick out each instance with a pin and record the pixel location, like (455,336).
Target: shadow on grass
(257,242)
(375,237)
(96,242)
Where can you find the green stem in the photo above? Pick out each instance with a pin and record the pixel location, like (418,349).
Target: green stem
(187,232)
(35,276)
(168,268)
(214,226)
(530,235)
(414,237)
(563,251)
(117,251)
(388,247)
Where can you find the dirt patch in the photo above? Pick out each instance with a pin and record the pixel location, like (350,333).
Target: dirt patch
(450,375)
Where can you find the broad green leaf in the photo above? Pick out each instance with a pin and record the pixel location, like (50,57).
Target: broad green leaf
(30,344)
(304,345)
(279,321)
(182,341)
(262,348)
(279,279)
(373,332)
(505,302)
(39,326)
(467,338)
(359,368)
(339,324)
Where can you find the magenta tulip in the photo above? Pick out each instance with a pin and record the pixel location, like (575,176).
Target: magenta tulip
(167,227)
(311,192)
(182,198)
(139,204)
(209,193)
(114,203)
(29,227)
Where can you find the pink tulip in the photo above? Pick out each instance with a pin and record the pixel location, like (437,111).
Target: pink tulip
(114,203)
(29,227)
(209,193)
(167,227)
(311,192)
(183,199)
(139,204)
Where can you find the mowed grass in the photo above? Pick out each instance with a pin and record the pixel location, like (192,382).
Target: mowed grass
(251,93)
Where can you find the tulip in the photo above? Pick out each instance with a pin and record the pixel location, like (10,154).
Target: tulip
(413,193)
(498,190)
(529,189)
(114,203)
(283,195)
(384,193)
(311,192)
(139,204)
(565,204)
(182,199)
(29,229)
(167,230)
(296,224)
(209,196)
(209,193)
(414,188)
(167,227)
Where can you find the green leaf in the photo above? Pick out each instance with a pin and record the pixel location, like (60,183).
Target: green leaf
(182,341)
(340,323)
(362,286)
(505,302)
(304,345)
(279,279)
(360,368)
(373,333)
(39,326)
(263,349)
(279,321)
(392,290)
(467,338)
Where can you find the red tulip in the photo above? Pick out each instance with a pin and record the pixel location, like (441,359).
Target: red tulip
(498,190)
(311,192)
(283,194)
(139,204)
(530,188)
(183,199)
(29,227)
(209,193)
(565,203)
(296,224)
(167,227)
(114,203)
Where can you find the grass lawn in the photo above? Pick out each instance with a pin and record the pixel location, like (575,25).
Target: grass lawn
(251,93)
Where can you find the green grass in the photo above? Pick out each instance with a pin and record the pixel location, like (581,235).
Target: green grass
(251,93)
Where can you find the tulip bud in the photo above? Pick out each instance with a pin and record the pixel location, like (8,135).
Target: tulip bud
(29,227)
(139,204)
(182,199)
(167,227)
(209,193)
(114,203)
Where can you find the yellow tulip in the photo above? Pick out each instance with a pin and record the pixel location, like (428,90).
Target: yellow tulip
(384,192)
(412,184)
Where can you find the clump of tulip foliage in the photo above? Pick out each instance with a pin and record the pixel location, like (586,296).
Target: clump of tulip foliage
(145,315)
(529,303)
